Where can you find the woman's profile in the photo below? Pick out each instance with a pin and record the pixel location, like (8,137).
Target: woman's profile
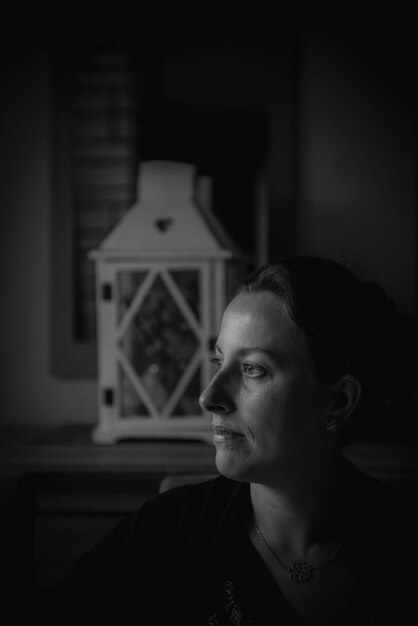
(308,357)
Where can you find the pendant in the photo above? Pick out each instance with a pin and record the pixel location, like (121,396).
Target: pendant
(300,572)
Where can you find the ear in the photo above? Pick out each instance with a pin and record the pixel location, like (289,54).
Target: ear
(346,397)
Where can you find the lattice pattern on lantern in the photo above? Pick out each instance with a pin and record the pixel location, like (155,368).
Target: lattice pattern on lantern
(159,342)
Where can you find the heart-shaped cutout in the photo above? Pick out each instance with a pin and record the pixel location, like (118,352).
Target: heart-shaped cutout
(164,223)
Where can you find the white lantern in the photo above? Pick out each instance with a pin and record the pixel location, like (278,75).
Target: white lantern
(161,288)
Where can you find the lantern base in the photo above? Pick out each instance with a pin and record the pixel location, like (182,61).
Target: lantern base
(131,429)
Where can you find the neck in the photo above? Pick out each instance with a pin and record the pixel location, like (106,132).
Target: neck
(303,512)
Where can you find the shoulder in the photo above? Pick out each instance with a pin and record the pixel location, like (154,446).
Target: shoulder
(169,519)
(174,529)
(180,510)
(374,494)
(194,497)
(385,515)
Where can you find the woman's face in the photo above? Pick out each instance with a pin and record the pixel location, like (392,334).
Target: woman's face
(268,408)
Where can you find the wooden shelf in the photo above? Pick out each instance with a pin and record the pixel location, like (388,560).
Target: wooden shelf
(70,449)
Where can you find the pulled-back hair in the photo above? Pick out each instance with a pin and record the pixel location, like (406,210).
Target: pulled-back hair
(351,327)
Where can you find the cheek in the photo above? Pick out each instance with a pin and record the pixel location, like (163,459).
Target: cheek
(264,415)
(281,410)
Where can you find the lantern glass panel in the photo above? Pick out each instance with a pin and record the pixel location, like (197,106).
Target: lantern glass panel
(130,401)
(128,285)
(189,402)
(159,341)
(188,283)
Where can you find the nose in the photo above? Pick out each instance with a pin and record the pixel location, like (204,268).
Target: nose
(216,398)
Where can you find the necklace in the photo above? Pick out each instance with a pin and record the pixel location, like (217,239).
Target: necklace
(299,571)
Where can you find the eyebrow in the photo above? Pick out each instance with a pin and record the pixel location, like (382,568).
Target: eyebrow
(244,351)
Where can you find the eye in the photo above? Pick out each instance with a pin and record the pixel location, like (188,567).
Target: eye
(253,371)
(215,360)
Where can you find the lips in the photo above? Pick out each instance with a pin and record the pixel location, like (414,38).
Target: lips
(225,434)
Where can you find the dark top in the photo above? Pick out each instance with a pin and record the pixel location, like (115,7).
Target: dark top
(185,558)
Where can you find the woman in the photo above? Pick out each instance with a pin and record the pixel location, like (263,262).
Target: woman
(291,532)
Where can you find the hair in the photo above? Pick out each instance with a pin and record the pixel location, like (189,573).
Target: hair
(351,327)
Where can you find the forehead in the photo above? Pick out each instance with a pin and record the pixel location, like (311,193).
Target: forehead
(260,319)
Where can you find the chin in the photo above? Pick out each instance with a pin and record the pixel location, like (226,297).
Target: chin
(232,467)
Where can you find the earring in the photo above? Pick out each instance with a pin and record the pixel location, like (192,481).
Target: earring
(331,426)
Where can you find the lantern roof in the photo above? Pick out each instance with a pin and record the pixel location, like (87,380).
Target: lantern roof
(171,217)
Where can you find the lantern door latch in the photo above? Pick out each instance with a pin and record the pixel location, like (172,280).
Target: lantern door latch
(107,291)
(108,396)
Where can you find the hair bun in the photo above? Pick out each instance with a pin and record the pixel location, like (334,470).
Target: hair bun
(376,297)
